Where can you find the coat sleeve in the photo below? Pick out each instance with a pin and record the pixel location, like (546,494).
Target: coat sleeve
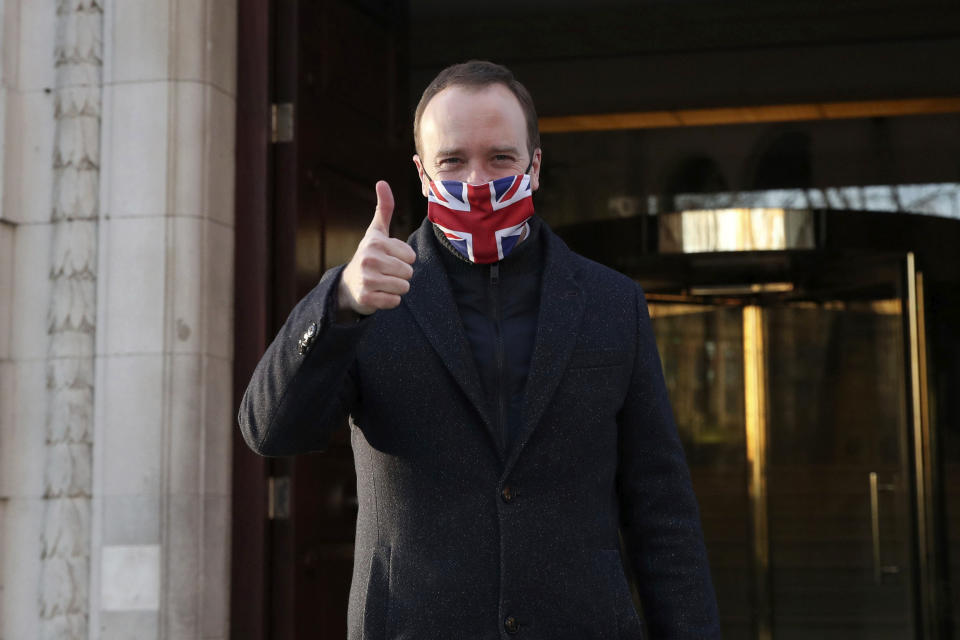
(660,520)
(298,396)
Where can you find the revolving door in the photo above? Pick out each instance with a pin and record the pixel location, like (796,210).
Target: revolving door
(795,416)
(795,350)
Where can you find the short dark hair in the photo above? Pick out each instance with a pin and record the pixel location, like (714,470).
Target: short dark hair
(479,74)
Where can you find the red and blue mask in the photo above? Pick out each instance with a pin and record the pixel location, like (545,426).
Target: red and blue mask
(484,222)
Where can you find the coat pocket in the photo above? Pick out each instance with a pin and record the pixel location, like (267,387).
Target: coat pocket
(369,616)
(597,358)
(622,609)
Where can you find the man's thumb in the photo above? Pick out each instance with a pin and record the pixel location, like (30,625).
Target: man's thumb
(384,210)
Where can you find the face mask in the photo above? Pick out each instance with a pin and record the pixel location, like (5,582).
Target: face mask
(484,222)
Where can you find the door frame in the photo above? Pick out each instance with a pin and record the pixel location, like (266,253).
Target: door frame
(253,326)
(924,461)
(274,182)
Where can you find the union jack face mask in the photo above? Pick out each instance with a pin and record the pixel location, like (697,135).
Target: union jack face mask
(484,222)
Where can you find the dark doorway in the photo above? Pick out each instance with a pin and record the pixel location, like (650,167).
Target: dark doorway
(322,116)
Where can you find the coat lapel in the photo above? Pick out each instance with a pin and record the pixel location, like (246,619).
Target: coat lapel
(431,302)
(561,311)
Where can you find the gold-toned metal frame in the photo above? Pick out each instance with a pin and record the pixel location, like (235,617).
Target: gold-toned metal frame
(755,404)
(748,114)
(922,453)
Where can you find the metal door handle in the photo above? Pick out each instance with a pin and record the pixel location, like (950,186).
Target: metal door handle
(878,569)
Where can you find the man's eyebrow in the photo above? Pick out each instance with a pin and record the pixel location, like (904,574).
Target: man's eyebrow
(458,152)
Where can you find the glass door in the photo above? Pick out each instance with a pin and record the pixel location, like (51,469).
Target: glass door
(701,347)
(837,471)
(796,412)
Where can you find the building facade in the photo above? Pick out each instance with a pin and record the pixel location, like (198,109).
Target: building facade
(116,258)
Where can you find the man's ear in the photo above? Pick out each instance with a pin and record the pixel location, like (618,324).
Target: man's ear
(535,169)
(424,181)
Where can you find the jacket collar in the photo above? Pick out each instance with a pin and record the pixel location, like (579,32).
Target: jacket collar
(431,302)
(561,311)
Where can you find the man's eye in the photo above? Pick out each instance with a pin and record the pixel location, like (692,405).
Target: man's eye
(446,162)
(500,157)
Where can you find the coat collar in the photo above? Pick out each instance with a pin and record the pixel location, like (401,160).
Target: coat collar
(431,302)
(561,311)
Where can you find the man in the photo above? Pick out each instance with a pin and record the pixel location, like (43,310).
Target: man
(508,415)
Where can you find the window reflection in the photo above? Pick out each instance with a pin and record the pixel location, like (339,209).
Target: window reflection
(905,164)
(930,199)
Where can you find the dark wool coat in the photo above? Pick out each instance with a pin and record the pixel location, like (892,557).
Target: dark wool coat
(459,539)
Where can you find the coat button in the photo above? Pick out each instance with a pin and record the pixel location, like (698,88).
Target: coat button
(306,340)
(511,624)
(506,494)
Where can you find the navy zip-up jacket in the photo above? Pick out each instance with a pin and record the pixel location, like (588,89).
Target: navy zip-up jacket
(498,306)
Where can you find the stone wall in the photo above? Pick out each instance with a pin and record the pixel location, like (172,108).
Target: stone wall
(29,34)
(116,279)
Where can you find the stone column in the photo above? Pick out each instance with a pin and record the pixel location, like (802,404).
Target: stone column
(116,280)
(65,540)
(164,414)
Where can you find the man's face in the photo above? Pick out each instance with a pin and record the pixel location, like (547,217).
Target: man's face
(474,136)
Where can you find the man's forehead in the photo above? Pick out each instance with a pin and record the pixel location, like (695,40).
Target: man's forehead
(492,99)
(459,109)
(494,88)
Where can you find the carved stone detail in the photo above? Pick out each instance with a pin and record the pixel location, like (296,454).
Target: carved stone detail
(71,322)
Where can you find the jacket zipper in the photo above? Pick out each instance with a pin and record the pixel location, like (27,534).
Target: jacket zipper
(495,291)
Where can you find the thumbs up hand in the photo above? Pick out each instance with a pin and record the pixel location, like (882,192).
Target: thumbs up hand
(379,272)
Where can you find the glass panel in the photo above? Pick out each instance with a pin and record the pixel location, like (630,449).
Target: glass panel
(702,352)
(839,552)
(905,164)
(943,352)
